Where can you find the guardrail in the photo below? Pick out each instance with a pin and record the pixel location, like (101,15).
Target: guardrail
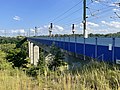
(108,53)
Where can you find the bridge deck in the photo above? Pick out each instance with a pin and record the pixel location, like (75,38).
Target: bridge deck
(106,49)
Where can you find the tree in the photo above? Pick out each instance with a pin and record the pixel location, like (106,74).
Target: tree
(41,62)
(57,59)
(17,57)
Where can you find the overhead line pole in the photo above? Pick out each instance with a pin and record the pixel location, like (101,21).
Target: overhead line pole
(84,18)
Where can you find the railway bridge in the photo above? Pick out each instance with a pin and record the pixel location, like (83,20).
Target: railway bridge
(101,49)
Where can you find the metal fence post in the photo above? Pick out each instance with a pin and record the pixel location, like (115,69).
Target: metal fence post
(64,38)
(96,50)
(69,43)
(84,49)
(113,51)
(60,41)
(63,44)
(75,43)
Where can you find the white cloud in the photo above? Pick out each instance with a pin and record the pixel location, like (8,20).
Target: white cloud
(22,31)
(46,26)
(112,24)
(103,22)
(92,24)
(14,31)
(32,30)
(44,30)
(2,31)
(105,27)
(116,4)
(115,10)
(58,28)
(17,18)
(96,1)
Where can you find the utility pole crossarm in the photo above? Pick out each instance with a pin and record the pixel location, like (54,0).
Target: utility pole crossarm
(117,14)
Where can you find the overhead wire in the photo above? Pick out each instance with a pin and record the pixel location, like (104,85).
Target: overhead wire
(117,14)
(100,14)
(106,9)
(74,21)
(77,20)
(108,4)
(67,16)
(70,14)
(67,11)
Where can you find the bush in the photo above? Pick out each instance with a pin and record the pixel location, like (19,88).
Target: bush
(58,57)
(17,57)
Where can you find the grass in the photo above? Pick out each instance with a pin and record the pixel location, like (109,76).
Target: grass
(93,76)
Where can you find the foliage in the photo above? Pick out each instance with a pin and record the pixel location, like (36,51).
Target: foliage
(41,63)
(19,44)
(32,71)
(6,47)
(3,63)
(12,40)
(17,57)
(105,35)
(93,76)
(90,35)
(57,59)
(40,68)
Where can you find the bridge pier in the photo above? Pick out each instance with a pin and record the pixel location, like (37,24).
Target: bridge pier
(33,53)
(36,55)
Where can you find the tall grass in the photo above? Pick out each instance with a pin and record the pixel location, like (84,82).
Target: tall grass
(93,76)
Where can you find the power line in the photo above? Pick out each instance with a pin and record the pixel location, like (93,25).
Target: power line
(110,4)
(67,16)
(117,14)
(75,22)
(70,14)
(101,12)
(99,16)
(66,11)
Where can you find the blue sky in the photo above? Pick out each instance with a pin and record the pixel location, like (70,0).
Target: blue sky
(21,16)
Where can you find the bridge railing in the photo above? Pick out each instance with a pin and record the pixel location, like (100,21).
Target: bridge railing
(109,48)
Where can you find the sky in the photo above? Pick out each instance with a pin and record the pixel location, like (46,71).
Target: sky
(20,17)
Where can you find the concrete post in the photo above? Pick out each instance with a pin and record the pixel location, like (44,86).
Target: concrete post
(31,53)
(36,55)
(29,49)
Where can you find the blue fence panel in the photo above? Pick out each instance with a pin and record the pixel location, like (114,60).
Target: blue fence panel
(56,43)
(117,53)
(72,47)
(51,42)
(61,44)
(79,48)
(103,53)
(66,45)
(90,50)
